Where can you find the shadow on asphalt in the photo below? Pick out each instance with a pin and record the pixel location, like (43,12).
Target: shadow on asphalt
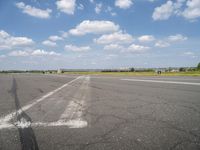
(26,133)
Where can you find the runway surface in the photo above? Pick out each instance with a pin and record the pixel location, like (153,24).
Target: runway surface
(68,112)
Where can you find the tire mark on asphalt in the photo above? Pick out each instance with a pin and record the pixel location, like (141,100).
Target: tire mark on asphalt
(27,136)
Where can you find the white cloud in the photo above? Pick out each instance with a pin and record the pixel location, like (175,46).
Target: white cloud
(193,9)
(19,41)
(75,48)
(3,34)
(113,47)
(55,38)
(98,8)
(49,43)
(117,37)
(91,1)
(64,34)
(95,27)
(162,44)
(124,4)
(8,42)
(164,11)
(66,6)
(18,53)
(80,7)
(189,53)
(113,13)
(35,12)
(177,37)
(37,52)
(110,56)
(189,9)
(137,48)
(110,10)
(146,38)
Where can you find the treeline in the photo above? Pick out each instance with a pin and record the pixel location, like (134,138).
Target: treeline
(28,71)
(128,70)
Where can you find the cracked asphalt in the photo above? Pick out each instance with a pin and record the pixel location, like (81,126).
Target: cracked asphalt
(120,115)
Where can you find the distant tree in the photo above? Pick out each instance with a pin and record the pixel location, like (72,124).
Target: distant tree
(198,66)
(182,69)
(132,69)
(192,69)
(170,69)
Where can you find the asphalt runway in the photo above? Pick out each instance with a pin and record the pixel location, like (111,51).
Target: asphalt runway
(68,112)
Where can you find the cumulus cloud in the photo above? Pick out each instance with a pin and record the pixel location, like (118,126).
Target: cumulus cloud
(3,34)
(98,8)
(110,10)
(146,38)
(37,52)
(113,47)
(177,37)
(137,48)
(162,44)
(75,48)
(189,53)
(95,27)
(49,43)
(18,53)
(32,11)
(66,6)
(193,9)
(55,38)
(8,42)
(80,7)
(64,34)
(124,4)
(189,9)
(117,37)
(170,40)
(164,11)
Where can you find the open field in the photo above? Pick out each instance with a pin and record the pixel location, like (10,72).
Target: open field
(192,73)
(48,112)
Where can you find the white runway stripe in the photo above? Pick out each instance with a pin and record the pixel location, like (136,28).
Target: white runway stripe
(26,107)
(73,113)
(160,81)
(70,124)
(71,117)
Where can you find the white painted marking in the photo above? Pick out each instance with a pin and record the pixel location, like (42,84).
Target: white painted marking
(26,107)
(6,126)
(160,81)
(70,124)
(72,116)
(23,123)
(75,109)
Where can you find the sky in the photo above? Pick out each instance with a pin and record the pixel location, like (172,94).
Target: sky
(99,34)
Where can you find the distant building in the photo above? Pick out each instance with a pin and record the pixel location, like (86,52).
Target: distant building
(59,71)
(160,69)
(174,70)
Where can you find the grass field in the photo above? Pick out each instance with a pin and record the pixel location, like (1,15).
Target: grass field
(189,73)
(193,73)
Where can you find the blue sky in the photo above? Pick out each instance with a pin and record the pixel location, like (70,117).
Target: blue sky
(41,34)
